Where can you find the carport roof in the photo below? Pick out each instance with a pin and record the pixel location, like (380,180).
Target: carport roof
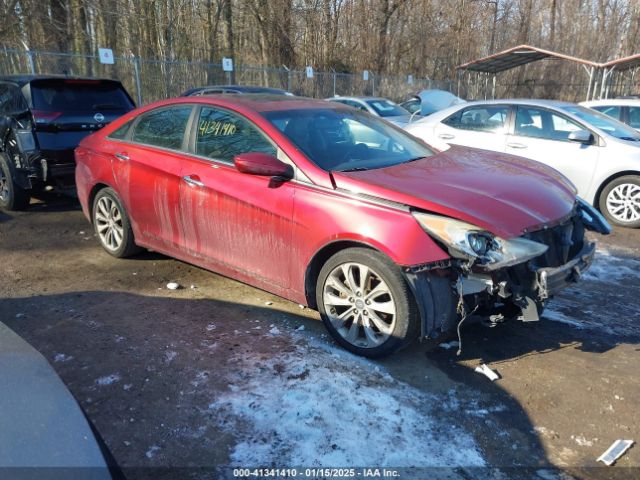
(517,56)
(624,63)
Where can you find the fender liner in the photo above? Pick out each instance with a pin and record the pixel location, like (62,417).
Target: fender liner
(435,295)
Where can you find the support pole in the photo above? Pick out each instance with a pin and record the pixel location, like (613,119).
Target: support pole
(136,70)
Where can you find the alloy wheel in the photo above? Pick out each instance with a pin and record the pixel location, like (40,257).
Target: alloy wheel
(109,226)
(359,304)
(623,202)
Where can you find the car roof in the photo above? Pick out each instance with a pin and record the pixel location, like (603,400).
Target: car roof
(258,102)
(362,97)
(239,88)
(518,101)
(24,79)
(612,101)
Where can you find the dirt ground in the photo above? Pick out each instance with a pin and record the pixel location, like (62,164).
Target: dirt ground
(157,371)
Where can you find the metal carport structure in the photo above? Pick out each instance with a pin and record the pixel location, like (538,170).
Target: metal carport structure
(600,74)
(618,76)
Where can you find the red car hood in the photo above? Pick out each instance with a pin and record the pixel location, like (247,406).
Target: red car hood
(501,193)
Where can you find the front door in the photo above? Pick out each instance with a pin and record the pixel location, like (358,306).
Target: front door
(543,135)
(237,220)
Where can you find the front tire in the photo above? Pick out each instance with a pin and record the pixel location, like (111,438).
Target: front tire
(112,225)
(619,201)
(12,196)
(365,303)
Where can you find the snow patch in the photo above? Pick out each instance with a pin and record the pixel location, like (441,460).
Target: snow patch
(169,356)
(274,331)
(108,380)
(307,408)
(449,345)
(61,357)
(151,452)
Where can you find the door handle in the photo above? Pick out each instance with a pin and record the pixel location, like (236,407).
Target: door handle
(121,156)
(446,136)
(192,181)
(516,145)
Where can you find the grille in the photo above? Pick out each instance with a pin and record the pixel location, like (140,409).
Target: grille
(565,241)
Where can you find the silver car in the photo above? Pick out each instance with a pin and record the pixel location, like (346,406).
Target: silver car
(601,156)
(378,106)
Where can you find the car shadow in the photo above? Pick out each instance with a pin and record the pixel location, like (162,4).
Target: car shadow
(53,201)
(4,217)
(145,368)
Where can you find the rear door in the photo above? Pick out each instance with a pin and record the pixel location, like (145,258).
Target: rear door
(230,218)
(67,110)
(542,135)
(478,126)
(146,166)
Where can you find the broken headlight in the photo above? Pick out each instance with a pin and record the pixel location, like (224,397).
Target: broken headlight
(471,243)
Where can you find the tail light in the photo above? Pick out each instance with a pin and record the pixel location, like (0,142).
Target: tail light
(43,116)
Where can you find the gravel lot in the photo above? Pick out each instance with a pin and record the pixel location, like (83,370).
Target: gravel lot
(219,373)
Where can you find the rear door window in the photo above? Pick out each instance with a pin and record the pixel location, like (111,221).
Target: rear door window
(79,96)
(634,117)
(614,111)
(486,118)
(163,128)
(221,135)
(121,132)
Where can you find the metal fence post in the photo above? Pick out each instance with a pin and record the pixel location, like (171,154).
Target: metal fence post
(136,69)
(334,82)
(373,84)
(288,77)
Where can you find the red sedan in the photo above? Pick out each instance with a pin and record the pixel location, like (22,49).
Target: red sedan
(388,238)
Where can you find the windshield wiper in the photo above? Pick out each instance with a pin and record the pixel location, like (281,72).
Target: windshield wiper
(630,139)
(354,169)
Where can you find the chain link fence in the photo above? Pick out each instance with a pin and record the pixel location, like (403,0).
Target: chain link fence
(150,80)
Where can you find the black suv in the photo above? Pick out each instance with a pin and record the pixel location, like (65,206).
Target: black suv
(42,120)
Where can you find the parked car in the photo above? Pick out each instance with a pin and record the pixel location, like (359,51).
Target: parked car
(42,120)
(626,110)
(378,106)
(598,154)
(389,242)
(232,89)
(426,102)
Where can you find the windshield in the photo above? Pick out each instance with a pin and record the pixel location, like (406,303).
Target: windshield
(343,140)
(603,122)
(386,108)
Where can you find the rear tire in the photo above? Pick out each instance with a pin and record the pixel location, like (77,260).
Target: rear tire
(12,196)
(112,225)
(366,304)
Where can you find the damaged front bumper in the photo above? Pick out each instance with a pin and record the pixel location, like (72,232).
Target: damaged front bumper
(446,292)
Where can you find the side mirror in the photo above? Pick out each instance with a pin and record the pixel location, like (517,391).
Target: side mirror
(255,163)
(581,136)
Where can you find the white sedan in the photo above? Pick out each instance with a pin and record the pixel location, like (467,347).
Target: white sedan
(601,156)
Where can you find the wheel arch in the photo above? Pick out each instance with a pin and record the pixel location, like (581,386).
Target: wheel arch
(611,178)
(92,195)
(320,258)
